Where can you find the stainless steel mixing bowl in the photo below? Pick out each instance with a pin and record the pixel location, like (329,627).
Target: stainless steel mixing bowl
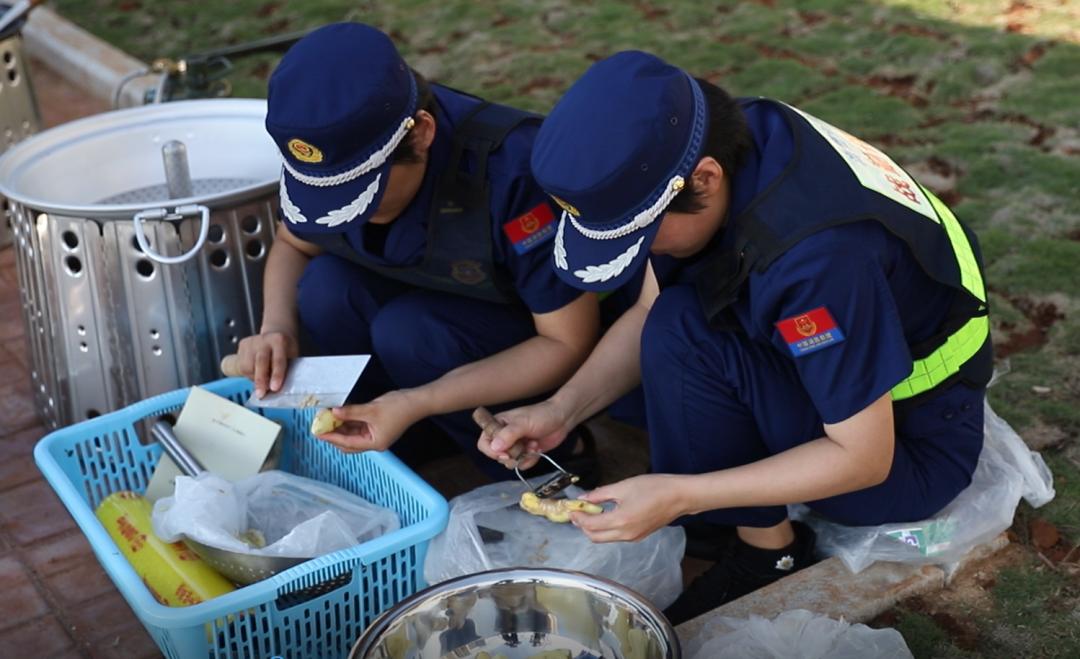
(521,613)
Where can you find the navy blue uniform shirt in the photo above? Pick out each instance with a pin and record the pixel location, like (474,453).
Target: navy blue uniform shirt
(513,193)
(864,276)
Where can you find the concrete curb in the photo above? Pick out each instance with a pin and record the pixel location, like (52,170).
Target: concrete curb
(82,59)
(829,588)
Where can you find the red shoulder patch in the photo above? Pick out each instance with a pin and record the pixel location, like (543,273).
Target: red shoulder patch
(531,228)
(810,331)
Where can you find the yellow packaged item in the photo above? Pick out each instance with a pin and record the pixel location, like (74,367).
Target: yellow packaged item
(174,574)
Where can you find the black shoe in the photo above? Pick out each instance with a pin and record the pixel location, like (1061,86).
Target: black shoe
(743,570)
(708,541)
(583,461)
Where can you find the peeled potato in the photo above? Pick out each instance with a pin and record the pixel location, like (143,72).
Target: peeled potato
(556,510)
(324,422)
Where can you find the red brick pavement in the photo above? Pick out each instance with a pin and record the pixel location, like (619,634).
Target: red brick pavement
(57,600)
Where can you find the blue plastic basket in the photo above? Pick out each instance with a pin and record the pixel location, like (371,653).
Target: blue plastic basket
(279,616)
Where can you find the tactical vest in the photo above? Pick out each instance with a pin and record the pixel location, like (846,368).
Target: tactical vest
(833,179)
(459,256)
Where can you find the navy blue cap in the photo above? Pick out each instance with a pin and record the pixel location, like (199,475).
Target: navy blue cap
(339,103)
(614,152)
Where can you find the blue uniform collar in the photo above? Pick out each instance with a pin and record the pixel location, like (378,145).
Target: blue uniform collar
(771,153)
(406,236)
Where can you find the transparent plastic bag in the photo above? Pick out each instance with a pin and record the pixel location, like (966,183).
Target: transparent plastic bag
(802,634)
(487,530)
(291,515)
(1007,470)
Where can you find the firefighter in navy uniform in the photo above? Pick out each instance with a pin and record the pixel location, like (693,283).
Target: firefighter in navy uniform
(412,230)
(812,328)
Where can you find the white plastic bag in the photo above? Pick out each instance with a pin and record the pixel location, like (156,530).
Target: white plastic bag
(487,530)
(1007,471)
(802,634)
(297,516)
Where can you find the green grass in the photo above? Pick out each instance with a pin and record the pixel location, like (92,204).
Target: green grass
(1064,510)
(864,112)
(1041,603)
(781,79)
(923,636)
(1030,612)
(1040,265)
(1016,400)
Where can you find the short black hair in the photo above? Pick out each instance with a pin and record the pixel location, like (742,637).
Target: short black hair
(405,152)
(727,140)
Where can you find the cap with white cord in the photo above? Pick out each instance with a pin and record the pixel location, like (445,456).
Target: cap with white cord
(616,149)
(339,103)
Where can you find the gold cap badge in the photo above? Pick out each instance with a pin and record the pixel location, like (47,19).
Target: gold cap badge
(566,207)
(303,151)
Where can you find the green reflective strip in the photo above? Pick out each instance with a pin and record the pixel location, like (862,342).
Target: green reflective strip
(946,361)
(962,345)
(970,277)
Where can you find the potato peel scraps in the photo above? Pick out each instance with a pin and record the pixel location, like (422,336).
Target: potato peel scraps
(556,510)
(253,538)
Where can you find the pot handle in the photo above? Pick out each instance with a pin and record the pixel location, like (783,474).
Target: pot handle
(179,213)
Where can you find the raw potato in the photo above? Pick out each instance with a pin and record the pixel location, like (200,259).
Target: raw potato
(324,422)
(557,510)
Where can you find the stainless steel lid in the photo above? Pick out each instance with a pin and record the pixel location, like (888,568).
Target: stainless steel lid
(110,165)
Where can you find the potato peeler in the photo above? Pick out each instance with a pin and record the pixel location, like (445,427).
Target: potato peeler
(546,490)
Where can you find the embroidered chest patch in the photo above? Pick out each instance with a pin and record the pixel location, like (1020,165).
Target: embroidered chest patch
(531,229)
(810,331)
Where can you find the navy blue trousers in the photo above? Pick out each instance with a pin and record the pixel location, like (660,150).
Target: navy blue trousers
(716,399)
(414,335)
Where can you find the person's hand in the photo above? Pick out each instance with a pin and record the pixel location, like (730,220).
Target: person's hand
(264,359)
(539,427)
(375,425)
(643,505)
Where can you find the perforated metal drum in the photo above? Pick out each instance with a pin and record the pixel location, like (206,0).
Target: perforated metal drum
(19,117)
(134,283)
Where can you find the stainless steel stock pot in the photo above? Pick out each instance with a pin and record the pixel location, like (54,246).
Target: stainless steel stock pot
(520,613)
(141,236)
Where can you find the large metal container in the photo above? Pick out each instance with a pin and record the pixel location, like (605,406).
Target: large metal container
(19,117)
(519,613)
(127,292)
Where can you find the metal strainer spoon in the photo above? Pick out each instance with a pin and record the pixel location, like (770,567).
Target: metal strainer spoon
(239,567)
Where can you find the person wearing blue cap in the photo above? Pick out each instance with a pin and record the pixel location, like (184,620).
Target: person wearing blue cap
(411,229)
(812,327)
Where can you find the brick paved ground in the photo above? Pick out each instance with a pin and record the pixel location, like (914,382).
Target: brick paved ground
(57,601)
